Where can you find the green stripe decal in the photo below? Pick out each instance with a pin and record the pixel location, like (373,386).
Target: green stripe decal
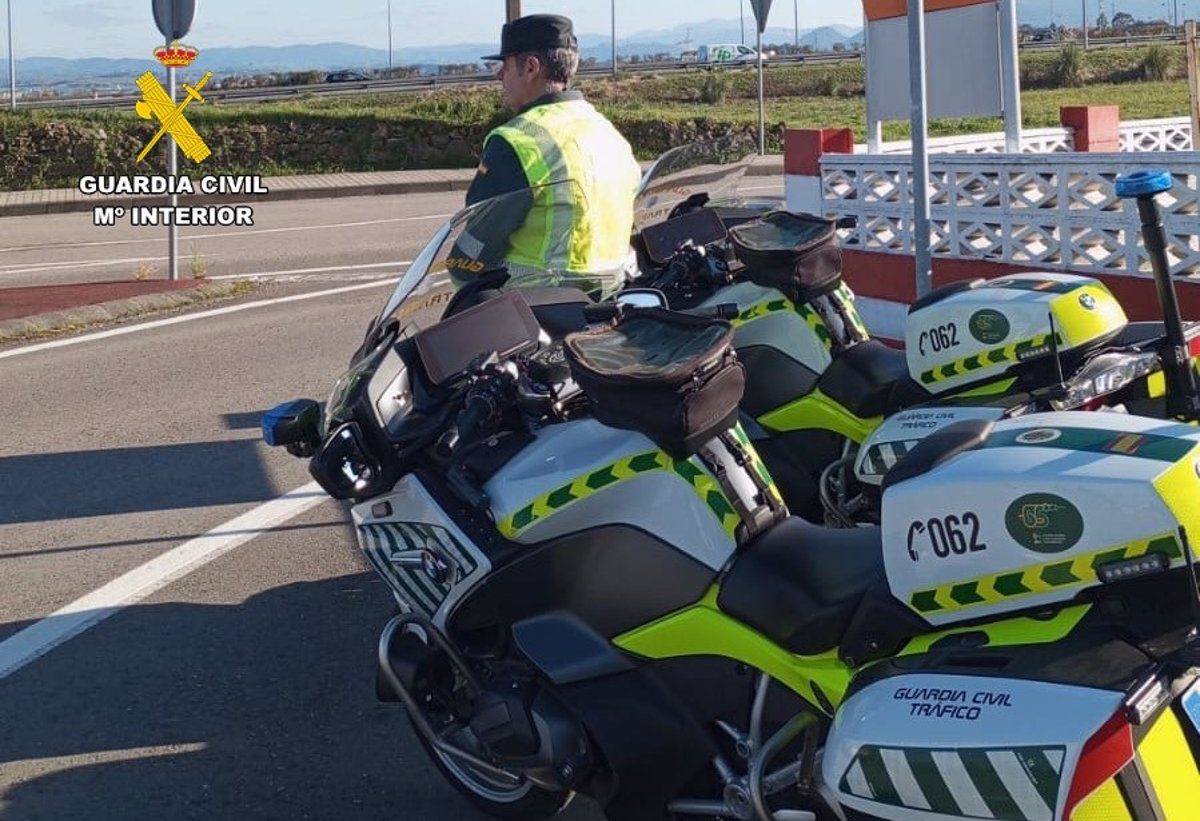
(523,518)
(877,776)
(990,787)
(601,478)
(929,779)
(1092,440)
(1168,546)
(1037,766)
(1010,584)
(925,601)
(560,497)
(966,593)
(1057,575)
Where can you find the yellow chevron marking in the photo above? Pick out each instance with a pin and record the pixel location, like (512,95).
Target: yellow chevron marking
(1008,352)
(1082,568)
(702,484)
(987,591)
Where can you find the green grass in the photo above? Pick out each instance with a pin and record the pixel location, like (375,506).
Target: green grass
(1040,109)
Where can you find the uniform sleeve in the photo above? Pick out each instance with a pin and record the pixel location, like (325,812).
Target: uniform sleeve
(499,172)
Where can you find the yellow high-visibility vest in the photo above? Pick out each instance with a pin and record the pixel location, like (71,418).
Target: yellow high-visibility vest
(576,229)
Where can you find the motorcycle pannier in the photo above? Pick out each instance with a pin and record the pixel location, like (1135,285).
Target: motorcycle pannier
(673,377)
(796,254)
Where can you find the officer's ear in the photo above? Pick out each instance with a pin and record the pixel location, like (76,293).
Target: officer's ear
(529,62)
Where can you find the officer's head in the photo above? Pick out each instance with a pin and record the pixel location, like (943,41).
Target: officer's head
(538,55)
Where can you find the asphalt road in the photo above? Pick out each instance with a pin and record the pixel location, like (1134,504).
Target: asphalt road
(300,240)
(242,687)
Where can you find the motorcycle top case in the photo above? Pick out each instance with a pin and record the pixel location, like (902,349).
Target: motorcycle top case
(1044,508)
(926,746)
(971,332)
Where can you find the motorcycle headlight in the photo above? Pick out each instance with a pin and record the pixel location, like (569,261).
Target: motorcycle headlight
(1104,375)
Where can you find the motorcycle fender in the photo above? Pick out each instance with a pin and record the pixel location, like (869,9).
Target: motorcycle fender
(924,746)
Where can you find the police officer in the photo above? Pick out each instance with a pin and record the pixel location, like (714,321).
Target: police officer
(578,230)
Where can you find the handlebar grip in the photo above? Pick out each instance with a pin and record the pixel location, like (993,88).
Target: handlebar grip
(723,310)
(476,410)
(602,312)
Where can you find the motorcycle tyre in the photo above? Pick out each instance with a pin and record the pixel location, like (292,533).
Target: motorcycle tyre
(535,804)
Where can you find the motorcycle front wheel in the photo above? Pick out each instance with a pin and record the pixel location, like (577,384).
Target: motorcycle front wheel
(522,802)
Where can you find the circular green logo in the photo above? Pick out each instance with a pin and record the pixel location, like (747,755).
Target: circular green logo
(1044,523)
(988,326)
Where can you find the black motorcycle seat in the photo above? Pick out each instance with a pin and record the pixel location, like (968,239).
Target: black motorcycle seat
(863,378)
(799,584)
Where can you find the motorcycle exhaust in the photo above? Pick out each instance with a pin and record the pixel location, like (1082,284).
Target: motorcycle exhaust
(393,681)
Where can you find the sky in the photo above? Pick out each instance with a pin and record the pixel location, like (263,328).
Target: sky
(125,28)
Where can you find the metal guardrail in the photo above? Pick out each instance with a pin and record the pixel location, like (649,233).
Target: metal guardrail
(269,93)
(414,83)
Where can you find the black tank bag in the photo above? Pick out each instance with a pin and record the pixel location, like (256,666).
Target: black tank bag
(673,377)
(796,254)
(799,256)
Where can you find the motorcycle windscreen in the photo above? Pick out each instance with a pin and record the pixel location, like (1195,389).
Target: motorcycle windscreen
(712,167)
(523,239)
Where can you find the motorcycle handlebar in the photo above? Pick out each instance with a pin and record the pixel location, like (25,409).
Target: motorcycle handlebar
(607,311)
(476,409)
(603,312)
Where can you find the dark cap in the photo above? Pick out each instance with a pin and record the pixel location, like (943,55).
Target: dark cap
(535,32)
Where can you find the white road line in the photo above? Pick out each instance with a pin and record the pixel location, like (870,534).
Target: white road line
(142,582)
(321,270)
(242,233)
(175,320)
(22,268)
(93,757)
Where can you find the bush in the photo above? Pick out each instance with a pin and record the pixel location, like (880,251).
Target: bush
(1156,65)
(1068,67)
(714,88)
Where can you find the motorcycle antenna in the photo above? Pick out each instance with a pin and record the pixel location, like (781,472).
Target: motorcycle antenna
(1058,368)
(1183,391)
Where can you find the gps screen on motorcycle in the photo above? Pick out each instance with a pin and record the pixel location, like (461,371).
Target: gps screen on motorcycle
(504,325)
(702,227)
